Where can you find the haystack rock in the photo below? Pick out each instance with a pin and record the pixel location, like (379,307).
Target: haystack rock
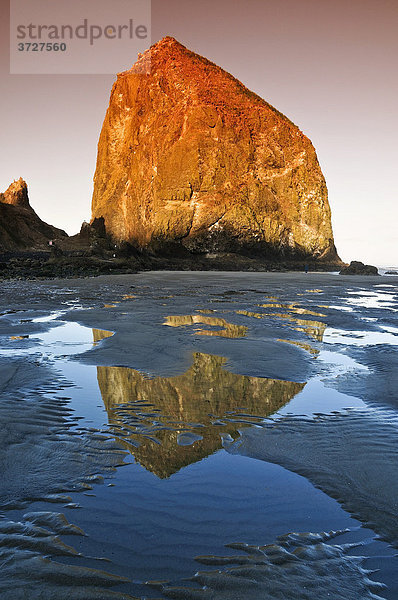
(188,154)
(20,227)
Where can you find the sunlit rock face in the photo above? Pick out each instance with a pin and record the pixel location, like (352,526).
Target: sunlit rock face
(188,154)
(171,422)
(16,194)
(20,227)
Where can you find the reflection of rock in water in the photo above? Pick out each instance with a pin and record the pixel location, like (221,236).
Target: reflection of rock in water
(229,330)
(101,334)
(298,566)
(203,399)
(314,329)
(302,345)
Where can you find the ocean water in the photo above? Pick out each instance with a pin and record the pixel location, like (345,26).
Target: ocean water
(199,435)
(387,271)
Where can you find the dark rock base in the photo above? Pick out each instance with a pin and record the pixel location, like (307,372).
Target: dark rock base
(358,268)
(36,265)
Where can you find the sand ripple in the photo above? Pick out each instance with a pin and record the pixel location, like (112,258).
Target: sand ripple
(298,566)
(352,456)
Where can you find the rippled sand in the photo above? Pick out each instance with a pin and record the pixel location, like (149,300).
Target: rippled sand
(211,386)
(44,459)
(352,456)
(41,458)
(298,566)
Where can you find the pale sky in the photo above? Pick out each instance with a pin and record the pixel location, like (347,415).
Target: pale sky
(328,65)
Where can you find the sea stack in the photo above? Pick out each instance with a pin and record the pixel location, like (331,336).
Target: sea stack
(189,155)
(20,227)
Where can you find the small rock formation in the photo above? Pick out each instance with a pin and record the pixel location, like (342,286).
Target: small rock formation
(16,194)
(94,229)
(358,268)
(20,227)
(189,156)
(94,233)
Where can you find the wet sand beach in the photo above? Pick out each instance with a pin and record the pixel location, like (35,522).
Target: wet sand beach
(199,435)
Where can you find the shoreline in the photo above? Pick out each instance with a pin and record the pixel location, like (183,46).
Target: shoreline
(43,265)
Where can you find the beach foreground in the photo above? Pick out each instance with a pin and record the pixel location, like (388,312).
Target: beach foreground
(255,416)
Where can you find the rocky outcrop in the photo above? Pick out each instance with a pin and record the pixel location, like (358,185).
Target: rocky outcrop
(188,157)
(357,267)
(16,194)
(20,226)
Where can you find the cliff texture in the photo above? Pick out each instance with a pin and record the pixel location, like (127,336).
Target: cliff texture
(188,154)
(20,226)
